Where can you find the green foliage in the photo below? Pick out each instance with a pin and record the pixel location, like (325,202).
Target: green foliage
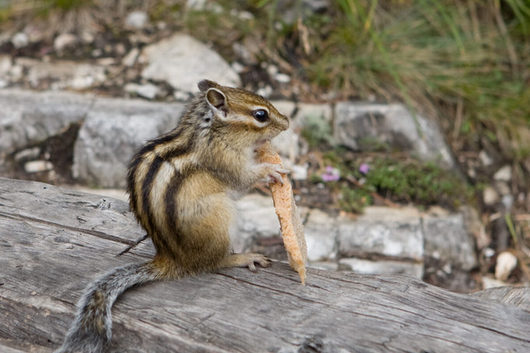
(12,9)
(66,5)
(162,10)
(5,13)
(373,144)
(435,54)
(424,184)
(354,200)
(406,181)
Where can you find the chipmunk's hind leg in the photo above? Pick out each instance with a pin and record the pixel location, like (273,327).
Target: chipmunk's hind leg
(246,260)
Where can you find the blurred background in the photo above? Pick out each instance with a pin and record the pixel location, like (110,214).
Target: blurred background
(458,68)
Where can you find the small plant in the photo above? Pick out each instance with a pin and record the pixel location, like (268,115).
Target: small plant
(354,200)
(402,181)
(424,184)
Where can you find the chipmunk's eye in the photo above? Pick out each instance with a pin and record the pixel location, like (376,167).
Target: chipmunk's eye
(260,115)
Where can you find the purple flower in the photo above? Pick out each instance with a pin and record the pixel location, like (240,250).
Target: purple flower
(364,168)
(331,174)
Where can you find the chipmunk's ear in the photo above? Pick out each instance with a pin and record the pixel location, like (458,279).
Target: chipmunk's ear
(204,85)
(217,101)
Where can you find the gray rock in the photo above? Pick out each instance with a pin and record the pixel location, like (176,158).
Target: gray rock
(321,236)
(271,69)
(5,65)
(198,5)
(506,263)
(131,57)
(308,111)
(291,10)
(28,154)
(106,61)
(503,174)
(256,219)
(63,41)
(282,78)
(447,240)
(367,126)
(488,283)
(507,201)
(485,158)
(65,74)
(182,61)
(204,5)
(28,118)
(37,166)
(242,15)
(238,68)
(316,5)
(16,72)
(475,227)
(87,36)
(490,196)
(147,90)
(384,231)
(370,267)
(20,40)
(113,130)
(136,20)
(265,91)
(182,96)
(243,53)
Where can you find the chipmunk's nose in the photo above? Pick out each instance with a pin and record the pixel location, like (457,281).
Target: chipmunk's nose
(284,122)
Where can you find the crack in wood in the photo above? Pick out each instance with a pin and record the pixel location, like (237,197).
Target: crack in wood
(457,343)
(95,233)
(503,333)
(343,279)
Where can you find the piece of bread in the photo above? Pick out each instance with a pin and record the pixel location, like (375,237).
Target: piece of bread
(288,215)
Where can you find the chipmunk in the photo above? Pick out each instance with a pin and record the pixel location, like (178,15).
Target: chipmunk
(181,189)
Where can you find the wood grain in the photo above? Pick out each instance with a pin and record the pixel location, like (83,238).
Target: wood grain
(54,241)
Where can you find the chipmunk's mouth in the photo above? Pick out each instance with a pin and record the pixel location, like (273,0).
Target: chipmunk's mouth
(261,142)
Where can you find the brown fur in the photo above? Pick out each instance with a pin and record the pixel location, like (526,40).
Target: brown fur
(179,183)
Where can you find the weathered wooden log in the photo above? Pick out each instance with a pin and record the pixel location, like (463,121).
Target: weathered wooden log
(54,241)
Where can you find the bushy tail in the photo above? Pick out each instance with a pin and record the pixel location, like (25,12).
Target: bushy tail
(91,329)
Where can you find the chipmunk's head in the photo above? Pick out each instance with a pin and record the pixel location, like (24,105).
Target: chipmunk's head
(243,110)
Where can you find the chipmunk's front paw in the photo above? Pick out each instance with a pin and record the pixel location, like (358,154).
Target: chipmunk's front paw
(273,173)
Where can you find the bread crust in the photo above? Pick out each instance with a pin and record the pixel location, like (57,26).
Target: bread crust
(288,215)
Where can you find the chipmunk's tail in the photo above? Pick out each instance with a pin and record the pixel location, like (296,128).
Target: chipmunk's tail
(91,329)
